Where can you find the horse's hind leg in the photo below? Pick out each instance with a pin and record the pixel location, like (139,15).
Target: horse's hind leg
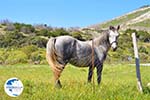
(57,73)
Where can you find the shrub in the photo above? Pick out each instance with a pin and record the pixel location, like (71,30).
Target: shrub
(17,39)
(77,35)
(59,32)
(3,56)
(29,49)
(2,41)
(26,28)
(144,58)
(23,55)
(130,31)
(43,32)
(143,49)
(38,41)
(16,56)
(82,36)
(10,27)
(125,41)
(38,56)
(141,35)
(11,39)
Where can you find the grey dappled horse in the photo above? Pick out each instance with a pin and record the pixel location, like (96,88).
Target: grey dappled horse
(66,49)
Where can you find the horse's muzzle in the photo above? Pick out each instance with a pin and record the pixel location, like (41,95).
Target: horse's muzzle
(114,49)
(114,46)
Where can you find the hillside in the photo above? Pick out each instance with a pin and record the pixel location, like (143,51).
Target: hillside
(138,19)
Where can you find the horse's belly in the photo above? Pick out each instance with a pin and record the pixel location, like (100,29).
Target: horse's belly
(79,62)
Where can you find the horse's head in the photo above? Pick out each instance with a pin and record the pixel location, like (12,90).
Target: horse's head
(113,37)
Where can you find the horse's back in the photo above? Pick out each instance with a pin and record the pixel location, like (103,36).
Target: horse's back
(64,42)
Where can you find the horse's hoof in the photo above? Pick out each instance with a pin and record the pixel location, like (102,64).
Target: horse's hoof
(58,84)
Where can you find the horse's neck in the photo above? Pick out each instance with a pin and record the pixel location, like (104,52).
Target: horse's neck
(102,41)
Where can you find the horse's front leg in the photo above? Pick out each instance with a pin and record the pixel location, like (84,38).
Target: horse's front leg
(90,74)
(99,72)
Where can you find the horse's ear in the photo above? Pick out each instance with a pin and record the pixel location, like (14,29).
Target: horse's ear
(118,27)
(111,27)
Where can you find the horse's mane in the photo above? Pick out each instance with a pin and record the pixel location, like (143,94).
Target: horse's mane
(104,37)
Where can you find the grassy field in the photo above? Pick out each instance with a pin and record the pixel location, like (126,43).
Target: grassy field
(118,83)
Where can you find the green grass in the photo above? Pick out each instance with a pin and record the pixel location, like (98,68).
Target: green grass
(118,83)
(145,23)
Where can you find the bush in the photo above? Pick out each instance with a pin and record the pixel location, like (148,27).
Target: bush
(2,41)
(59,32)
(38,41)
(28,50)
(26,54)
(10,27)
(130,31)
(144,58)
(77,35)
(10,39)
(16,56)
(26,28)
(38,56)
(43,32)
(125,41)
(82,36)
(3,56)
(143,49)
(141,35)
(17,39)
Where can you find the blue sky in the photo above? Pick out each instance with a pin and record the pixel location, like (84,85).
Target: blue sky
(66,13)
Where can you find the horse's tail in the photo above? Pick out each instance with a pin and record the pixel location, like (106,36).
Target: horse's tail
(51,55)
(50,49)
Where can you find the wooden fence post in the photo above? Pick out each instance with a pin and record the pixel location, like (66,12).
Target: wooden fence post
(138,76)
